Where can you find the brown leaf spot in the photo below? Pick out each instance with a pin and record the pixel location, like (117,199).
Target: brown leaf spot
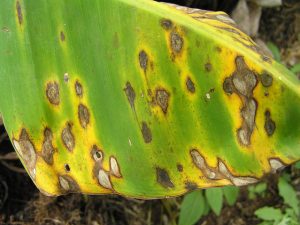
(270,125)
(78,89)
(266,58)
(219,49)
(129,91)
(244,80)
(47,148)
(200,162)
(52,93)
(244,136)
(276,164)
(27,151)
(162,99)
(228,86)
(68,138)
(62,36)
(147,135)
(248,113)
(190,85)
(179,167)
(19,12)
(190,186)
(67,168)
(143,59)
(176,42)
(266,80)
(237,181)
(83,115)
(104,179)
(96,153)
(114,167)
(68,184)
(208,67)
(166,24)
(163,178)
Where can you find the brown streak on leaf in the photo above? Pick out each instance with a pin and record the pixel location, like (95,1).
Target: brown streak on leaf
(19,12)
(163,178)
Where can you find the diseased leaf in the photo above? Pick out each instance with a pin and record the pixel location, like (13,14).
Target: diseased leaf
(192,208)
(140,98)
(214,198)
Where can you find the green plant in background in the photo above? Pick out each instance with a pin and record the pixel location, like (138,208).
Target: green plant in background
(277,56)
(275,51)
(142,99)
(296,68)
(257,190)
(199,203)
(287,216)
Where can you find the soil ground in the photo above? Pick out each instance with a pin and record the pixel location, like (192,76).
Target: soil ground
(21,203)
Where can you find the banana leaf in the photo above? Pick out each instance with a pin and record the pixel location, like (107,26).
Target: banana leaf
(140,98)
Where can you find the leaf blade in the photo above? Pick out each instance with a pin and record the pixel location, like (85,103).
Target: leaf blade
(192,208)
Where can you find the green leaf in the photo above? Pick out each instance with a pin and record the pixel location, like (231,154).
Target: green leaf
(260,188)
(296,68)
(214,197)
(231,194)
(297,165)
(269,213)
(251,192)
(192,208)
(287,192)
(266,223)
(275,51)
(206,207)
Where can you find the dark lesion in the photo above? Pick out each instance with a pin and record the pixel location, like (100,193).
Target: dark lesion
(266,79)
(27,151)
(162,99)
(83,115)
(67,167)
(53,93)
(146,131)
(78,89)
(243,82)
(143,60)
(19,12)
(177,42)
(208,67)
(179,167)
(47,147)
(130,93)
(270,125)
(163,178)
(166,24)
(67,184)
(190,85)
(67,137)
(62,36)
(190,186)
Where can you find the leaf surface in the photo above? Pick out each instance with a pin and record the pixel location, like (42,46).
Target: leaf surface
(140,98)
